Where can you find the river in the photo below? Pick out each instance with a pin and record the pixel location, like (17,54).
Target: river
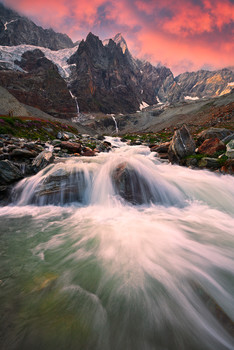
(88,268)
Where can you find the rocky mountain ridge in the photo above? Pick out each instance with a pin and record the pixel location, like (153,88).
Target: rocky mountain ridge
(16,30)
(102,76)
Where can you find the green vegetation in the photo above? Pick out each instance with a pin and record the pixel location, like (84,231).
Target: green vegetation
(32,128)
(162,136)
(91,145)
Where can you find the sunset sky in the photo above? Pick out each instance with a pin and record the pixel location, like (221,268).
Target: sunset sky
(184,35)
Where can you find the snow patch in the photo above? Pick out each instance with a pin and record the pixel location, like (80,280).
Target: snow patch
(9,54)
(143,105)
(6,24)
(191,98)
(158,100)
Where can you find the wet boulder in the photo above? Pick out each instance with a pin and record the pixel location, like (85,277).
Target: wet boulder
(211,146)
(42,160)
(61,187)
(9,173)
(130,185)
(219,133)
(182,145)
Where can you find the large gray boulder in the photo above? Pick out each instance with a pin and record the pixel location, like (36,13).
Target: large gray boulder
(213,133)
(182,145)
(9,173)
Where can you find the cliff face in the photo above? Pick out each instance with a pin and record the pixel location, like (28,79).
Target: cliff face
(104,79)
(205,83)
(40,85)
(16,30)
(108,79)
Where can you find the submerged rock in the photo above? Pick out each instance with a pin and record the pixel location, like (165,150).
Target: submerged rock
(130,185)
(182,145)
(61,187)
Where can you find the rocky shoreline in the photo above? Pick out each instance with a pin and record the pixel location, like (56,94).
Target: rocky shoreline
(212,149)
(20,158)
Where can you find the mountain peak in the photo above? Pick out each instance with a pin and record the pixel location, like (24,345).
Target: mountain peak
(16,30)
(118,39)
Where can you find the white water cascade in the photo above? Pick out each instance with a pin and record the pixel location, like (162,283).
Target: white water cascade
(118,251)
(76,119)
(116,126)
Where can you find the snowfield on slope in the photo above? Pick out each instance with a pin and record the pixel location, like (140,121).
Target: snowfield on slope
(9,54)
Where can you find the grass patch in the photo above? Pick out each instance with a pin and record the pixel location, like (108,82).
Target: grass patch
(150,137)
(32,128)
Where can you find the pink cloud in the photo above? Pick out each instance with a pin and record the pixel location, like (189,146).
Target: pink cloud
(170,31)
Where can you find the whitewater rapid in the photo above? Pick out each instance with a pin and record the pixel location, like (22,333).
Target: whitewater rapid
(97,271)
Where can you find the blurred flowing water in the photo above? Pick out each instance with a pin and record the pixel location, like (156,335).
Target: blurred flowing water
(94,271)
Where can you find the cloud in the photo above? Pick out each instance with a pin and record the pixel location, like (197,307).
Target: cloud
(181,33)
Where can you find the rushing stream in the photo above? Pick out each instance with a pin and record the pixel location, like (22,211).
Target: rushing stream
(84,265)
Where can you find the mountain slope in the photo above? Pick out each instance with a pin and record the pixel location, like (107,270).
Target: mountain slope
(39,85)
(16,30)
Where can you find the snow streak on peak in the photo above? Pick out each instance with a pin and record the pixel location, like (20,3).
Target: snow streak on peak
(9,54)
(6,24)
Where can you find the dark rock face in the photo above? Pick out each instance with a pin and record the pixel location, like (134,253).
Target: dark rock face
(151,79)
(109,80)
(104,79)
(40,86)
(9,172)
(20,30)
(182,145)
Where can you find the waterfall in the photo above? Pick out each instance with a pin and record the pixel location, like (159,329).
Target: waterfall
(76,119)
(116,126)
(118,251)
